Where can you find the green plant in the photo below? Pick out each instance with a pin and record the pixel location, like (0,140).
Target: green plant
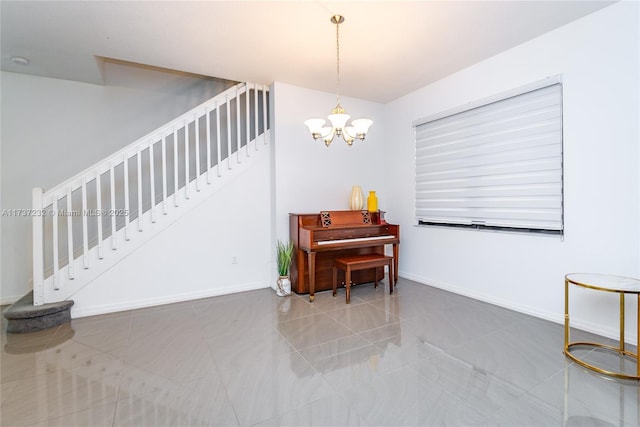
(285,252)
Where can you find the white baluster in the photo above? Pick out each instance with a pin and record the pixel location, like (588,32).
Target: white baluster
(197,153)
(70,234)
(152,182)
(228,133)
(99,214)
(56,261)
(248,117)
(186,159)
(264,114)
(238,130)
(256,115)
(139,163)
(37,228)
(175,167)
(112,214)
(164,174)
(85,232)
(126,197)
(218,138)
(208,146)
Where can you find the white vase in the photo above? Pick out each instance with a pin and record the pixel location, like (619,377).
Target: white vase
(356,201)
(283,286)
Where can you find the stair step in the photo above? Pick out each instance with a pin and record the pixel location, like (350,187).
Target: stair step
(24,317)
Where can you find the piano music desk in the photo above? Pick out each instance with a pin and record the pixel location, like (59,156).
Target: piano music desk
(361,262)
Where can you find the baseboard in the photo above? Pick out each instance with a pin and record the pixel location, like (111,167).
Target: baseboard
(168,299)
(587,326)
(9,300)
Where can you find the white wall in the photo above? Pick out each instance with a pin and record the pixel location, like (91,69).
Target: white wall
(309,177)
(193,258)
(52,129)
(598,58)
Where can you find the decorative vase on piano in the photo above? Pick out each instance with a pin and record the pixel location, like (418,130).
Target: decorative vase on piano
(372,202)
(356,201)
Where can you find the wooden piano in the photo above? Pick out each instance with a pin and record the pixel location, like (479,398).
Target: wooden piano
(321,237)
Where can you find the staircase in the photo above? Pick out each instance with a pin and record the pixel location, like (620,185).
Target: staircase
(92,221)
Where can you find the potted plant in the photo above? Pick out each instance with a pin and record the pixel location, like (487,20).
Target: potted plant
(284,254)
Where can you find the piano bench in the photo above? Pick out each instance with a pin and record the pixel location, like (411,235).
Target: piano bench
(360,262)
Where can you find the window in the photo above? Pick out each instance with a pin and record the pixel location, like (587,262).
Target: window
(495,164)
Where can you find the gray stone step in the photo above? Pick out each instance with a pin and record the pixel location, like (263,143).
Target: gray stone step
(23,316)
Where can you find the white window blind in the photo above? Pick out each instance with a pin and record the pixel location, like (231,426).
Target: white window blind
(497,165)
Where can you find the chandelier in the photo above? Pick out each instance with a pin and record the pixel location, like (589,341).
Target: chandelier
(338,117)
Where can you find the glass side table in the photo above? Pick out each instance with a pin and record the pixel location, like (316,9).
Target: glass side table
(606,283)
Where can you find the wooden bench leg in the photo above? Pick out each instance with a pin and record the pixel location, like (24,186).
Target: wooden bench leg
(335,280)
(390,277)
(347,284)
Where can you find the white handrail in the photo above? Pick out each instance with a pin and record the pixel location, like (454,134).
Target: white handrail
(144,141)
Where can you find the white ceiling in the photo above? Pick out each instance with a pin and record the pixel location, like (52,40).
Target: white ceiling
(387,48)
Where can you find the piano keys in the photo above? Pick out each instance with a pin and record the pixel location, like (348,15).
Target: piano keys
(356,240)
(320,238)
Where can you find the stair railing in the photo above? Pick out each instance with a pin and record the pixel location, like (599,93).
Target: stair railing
(97,208)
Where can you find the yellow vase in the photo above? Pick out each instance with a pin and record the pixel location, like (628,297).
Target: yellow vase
(372,202)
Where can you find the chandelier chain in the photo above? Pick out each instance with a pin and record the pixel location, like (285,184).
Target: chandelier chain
(338,63)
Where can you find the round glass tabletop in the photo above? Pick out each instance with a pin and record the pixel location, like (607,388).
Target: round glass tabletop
(605,282)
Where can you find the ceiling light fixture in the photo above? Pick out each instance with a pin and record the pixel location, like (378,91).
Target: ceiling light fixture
(338,116)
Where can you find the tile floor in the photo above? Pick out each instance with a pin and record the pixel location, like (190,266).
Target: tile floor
(420,357)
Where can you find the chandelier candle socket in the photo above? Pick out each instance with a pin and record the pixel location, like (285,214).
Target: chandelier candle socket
(338,117)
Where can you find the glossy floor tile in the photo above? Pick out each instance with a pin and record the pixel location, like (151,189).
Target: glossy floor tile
(419,357)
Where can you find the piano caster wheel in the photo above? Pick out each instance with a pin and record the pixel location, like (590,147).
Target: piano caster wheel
(312,298)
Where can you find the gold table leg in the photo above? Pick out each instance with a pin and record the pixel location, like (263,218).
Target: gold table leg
(566,316)
(621,322)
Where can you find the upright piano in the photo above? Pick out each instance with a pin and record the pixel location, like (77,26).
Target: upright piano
(322,237)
